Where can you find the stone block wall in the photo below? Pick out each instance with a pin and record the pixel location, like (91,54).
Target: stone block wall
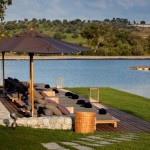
(52,122)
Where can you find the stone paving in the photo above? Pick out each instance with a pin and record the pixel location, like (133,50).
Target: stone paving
(53,146)
(89,142)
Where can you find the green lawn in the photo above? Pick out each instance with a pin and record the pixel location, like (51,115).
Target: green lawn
(31,139)
(130,103)
(26,138)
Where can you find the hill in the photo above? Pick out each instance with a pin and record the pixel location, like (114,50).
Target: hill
(106,38)
(143,32)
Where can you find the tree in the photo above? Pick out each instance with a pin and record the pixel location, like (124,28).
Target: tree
(65,21)
(148,45)
(34,20)
(59,36)
(96,34)
(142,22)
(3,4)
(134,22)
(25,20)
(107,20)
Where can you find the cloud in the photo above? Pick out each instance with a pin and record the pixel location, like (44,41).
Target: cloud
(100,4)
(35,9)
(82,9)
(126,4)
(78,3)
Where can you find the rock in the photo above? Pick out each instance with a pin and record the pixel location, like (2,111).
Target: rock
(68,121)
(32,122)
(46,122)
(22,121)
(58,126)
(61,120)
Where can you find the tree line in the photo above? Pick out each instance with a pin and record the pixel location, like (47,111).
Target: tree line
(109,37)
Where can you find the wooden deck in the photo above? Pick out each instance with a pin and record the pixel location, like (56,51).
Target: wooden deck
(128,123)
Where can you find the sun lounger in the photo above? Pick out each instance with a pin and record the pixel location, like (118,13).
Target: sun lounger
(105,119)
(16,100)
(48,93)
(25,112)
(13,99)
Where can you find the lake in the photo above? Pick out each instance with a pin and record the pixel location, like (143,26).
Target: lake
(85,73)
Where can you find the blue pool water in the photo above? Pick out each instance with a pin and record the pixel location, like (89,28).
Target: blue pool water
(85,73)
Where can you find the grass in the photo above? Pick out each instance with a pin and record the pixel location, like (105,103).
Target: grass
(28,138)
(78,40)
(130,103)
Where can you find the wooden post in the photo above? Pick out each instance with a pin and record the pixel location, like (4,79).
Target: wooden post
(3,70)
(31,81)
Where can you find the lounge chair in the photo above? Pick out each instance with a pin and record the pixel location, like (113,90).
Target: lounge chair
(107,119)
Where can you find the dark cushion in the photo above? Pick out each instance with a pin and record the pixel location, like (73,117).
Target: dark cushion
(102,111)
(80,102)
(16,80)
(48,112)
(87,105)
(64,110)
(37,105)
(56,91)
(10,78)
(74,96)
(68,94)
(47,86)
(53,108)
(40,110)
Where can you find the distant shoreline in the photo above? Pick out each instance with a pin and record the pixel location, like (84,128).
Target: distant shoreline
(74,57)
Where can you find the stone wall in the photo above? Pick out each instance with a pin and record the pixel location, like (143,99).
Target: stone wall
(52,122)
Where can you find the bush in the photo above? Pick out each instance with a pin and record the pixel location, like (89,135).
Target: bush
(75,35)
(59,36)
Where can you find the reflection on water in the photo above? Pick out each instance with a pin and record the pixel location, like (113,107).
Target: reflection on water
(86,73)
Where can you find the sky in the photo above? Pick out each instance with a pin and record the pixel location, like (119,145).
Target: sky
(137,10)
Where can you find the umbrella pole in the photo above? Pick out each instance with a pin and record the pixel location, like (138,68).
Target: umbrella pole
(3,72)
(31,82)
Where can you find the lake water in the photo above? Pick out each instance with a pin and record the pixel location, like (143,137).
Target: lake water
(85,73)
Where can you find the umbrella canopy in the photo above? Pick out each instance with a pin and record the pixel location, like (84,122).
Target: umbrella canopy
(37,43)
(32,42)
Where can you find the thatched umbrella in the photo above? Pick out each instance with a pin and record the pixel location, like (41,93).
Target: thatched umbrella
(32,42)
